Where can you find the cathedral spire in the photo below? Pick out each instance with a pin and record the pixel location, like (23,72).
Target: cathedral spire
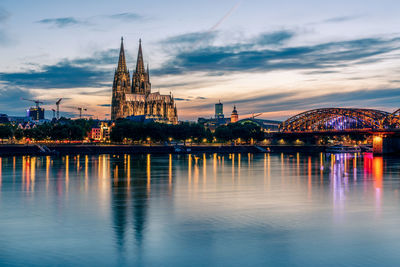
(139,62)
(122,61)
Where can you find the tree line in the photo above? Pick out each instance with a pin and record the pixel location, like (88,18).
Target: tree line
(64,129)
(128,131)
(125,130)
(158,132)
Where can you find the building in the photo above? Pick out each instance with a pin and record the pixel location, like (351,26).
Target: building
(95,133)
(26,125)
(218,120)
(219,110)
(234,115)
(100,131)
(137,99)
(35,113)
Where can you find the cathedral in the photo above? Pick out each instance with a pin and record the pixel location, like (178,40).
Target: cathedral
(136,99)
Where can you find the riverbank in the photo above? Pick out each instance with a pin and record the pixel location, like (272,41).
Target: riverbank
(18,150)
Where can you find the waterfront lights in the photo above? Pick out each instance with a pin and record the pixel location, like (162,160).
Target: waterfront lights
(298,142)
(377,144)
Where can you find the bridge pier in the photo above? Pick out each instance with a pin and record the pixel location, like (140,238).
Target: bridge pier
(384,143)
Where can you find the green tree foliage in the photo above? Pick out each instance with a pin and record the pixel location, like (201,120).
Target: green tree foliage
(5,132)
(67,129)
(64,129)
(245,132)
(156,132)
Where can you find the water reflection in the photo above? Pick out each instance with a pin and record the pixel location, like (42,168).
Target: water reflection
(147,203)
(130,197)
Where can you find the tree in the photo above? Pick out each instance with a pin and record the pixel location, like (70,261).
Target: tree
(5,132)
(223,133)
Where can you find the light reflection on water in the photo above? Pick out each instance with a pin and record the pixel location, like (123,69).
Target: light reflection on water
(199,210)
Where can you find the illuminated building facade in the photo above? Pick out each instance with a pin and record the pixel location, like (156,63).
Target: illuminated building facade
(101,132)
(36,113)
(234,115)
(137,99)
(96,134)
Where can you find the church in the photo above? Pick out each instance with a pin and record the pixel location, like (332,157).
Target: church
(136,99)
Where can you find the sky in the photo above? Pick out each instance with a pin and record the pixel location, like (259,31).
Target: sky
(278,58)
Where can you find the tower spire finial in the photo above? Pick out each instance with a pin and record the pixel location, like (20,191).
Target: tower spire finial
(139,62)
(121,61)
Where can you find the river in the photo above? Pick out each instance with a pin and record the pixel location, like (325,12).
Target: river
(200,210)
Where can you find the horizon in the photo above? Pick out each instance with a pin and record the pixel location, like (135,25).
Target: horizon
(342,54)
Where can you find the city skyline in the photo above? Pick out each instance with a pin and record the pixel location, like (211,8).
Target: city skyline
(275,58)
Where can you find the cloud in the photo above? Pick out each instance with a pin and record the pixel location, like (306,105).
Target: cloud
(318,72)
(61,75)
(61,22)
(126,16)
(4,15)
(64,22)
(191,38)
(249,56)
(189,98)
(101,58)
(11,102)
(75,73)
(341,19)
(103,92)
(200,39)
(274,38)
(289,101)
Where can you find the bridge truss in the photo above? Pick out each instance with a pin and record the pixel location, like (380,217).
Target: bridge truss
(339,119)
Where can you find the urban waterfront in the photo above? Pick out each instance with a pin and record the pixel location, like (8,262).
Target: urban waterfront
(200,210)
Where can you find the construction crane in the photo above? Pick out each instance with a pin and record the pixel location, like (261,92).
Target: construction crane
(253,116)
(80,110)
(54,112)
(37,102)
(58,108)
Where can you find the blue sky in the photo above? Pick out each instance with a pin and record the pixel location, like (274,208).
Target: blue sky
(274,57)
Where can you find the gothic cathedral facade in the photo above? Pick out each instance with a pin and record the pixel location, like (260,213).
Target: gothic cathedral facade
(137,99)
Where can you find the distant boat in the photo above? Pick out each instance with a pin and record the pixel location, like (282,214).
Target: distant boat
(343,149)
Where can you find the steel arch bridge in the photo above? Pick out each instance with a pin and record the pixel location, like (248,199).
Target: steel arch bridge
(339,119)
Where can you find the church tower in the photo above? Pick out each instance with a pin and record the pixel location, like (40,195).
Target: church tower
(141,78)
(121,86)
(234,115)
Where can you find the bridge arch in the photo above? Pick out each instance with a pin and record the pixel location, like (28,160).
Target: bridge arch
(335,119)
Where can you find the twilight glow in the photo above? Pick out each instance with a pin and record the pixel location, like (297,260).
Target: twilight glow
(278,58)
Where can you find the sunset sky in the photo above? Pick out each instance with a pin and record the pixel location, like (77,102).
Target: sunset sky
(272,57)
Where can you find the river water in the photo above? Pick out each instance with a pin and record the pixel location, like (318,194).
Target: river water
(200,210)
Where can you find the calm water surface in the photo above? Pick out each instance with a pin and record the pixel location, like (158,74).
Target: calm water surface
(200,210)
